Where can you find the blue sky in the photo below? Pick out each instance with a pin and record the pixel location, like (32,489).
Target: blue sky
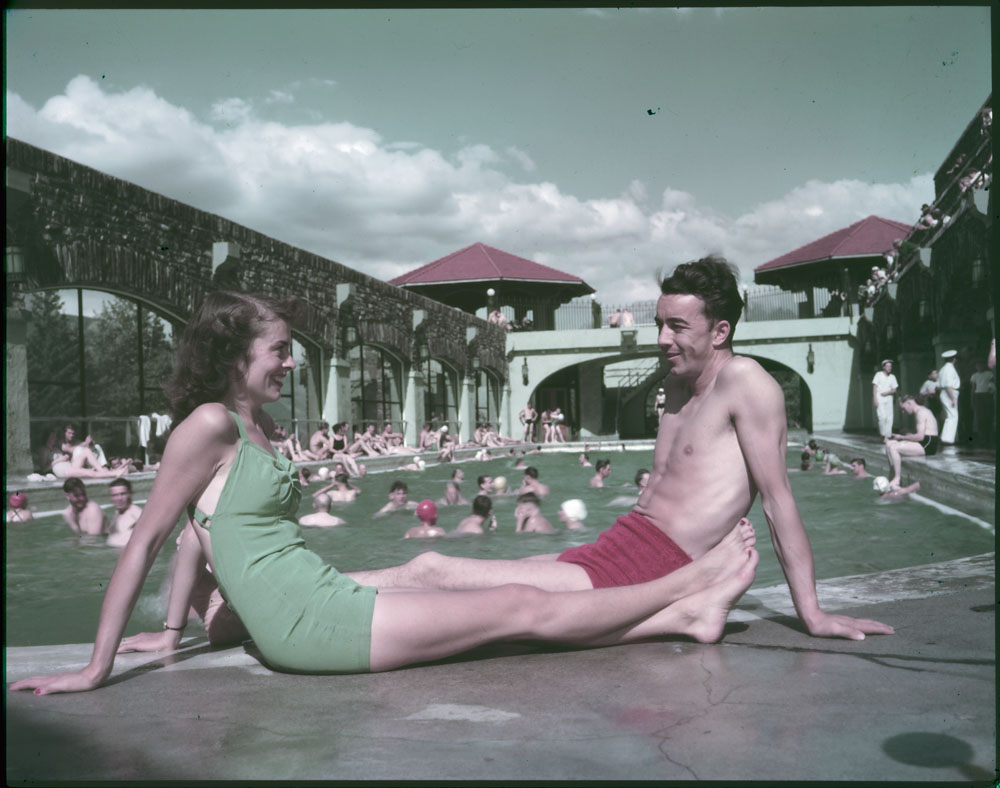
(384,139)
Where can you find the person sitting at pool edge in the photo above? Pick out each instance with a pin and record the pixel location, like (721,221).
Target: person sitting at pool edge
(720,443)
(529,517)
(303,615)
(321,516)
(82,515)
(481,518)
(923,442)
(126,512)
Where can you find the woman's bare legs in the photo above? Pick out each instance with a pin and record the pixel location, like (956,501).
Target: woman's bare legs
(409,628)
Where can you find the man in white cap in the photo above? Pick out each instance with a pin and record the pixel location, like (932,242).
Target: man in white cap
(948,385)
(884,386)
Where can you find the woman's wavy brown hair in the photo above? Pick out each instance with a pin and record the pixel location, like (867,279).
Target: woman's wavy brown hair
(215,341)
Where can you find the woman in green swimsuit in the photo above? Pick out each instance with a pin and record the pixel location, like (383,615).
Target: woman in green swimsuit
(302,614)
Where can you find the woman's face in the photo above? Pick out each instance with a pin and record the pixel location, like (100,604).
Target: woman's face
(270,359)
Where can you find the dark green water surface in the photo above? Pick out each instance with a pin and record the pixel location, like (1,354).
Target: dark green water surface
(55,580)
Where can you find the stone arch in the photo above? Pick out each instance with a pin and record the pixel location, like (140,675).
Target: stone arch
(798,406)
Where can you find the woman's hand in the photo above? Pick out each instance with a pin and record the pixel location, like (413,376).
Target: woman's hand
(79,681)
(168,640)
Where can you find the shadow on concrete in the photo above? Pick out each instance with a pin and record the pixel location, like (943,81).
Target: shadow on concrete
(936,751)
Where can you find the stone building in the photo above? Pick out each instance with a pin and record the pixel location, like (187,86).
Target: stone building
(375,352)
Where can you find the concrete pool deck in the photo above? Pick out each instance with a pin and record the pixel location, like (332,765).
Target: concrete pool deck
(767,703)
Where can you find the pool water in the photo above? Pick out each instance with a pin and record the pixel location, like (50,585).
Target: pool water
(55,580)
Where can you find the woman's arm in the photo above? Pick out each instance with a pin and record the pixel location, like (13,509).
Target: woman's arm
(193,455)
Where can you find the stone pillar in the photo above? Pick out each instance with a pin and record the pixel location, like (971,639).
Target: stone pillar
(506,415)
(337,405)
(18,433)
(591,384)
(467,409)
(413,405)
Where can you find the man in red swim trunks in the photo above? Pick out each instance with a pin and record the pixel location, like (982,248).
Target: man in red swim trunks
(721,441)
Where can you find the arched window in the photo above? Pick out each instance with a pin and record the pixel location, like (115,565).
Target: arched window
(375,386)
(441,397)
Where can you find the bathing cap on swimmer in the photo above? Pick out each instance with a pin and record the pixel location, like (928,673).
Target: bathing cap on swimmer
(18,500)
(575,509)
(323,472)
(881,484)
(427,511)
(420,463)
(500,483)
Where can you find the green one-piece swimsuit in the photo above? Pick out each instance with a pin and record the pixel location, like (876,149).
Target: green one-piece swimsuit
(303,615)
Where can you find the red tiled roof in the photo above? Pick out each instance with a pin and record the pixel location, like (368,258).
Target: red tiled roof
(870,236)
(478,262)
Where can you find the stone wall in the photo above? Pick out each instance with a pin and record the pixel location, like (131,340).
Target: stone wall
(84,228)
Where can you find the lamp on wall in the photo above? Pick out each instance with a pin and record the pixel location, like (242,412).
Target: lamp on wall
(13,265)
(524,371)
(810,360)
(978,271)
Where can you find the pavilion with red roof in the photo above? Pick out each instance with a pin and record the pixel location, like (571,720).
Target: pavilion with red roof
(462,279)
(842,259)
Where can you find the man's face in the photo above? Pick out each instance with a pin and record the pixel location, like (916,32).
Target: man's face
(643,481)
(887,366)
(908,406)
(605,471)
(857,467)
(121,497)
(685,334)
(77,499)
(487,485)
(459,475)
(398,497)
(933,375)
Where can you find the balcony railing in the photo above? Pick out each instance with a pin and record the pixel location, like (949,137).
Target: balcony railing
(763,302)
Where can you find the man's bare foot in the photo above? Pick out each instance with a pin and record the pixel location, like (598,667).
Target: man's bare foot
(704,613)
(723,559)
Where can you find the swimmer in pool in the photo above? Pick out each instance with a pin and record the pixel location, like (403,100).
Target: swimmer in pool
(530,483)
(720,443)
(126,512)
(17,509)
(302,614)
(602,470)
(529,517)
(83,515)
(452,491)
(641,480)
(321,517)
(481,519)
(398,499)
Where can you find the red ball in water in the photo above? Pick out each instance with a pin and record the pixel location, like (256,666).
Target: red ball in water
(427,511)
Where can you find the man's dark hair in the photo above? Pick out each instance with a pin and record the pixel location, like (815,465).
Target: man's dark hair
(860,461)
(529,497)
(531,471)
(455,473)
(399,485)
(121,483)
(600,465)
(638,475)
(73,484)
(481,505)
(903,398)
(306,473)
(804,459)
(343,478)
(713,280)
(482,479)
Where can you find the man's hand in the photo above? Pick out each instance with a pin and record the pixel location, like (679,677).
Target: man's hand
(80,681)
(830,625)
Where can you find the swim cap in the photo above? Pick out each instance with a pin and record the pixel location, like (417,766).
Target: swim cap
(323,472)
(420,463)
(18,500)
(427,511)
(500,484)
(575,509)
(881,484)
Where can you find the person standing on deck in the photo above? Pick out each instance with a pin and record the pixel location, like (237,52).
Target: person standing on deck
(884,386)
(949,384)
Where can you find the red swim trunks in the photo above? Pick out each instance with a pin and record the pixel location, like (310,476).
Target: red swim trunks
(631,551)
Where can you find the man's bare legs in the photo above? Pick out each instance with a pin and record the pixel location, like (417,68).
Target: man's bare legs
(433,570)
(409,628)
(895,451)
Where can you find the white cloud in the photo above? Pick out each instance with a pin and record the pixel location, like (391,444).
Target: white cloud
(385,207)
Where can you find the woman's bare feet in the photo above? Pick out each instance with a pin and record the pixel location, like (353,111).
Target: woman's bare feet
(703,614)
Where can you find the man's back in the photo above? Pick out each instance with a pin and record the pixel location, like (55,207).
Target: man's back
(699,485)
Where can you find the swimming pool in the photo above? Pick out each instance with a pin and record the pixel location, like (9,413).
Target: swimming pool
(55,580)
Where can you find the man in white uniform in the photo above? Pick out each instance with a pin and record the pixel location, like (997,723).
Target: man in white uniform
(884,387)
(948,386)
